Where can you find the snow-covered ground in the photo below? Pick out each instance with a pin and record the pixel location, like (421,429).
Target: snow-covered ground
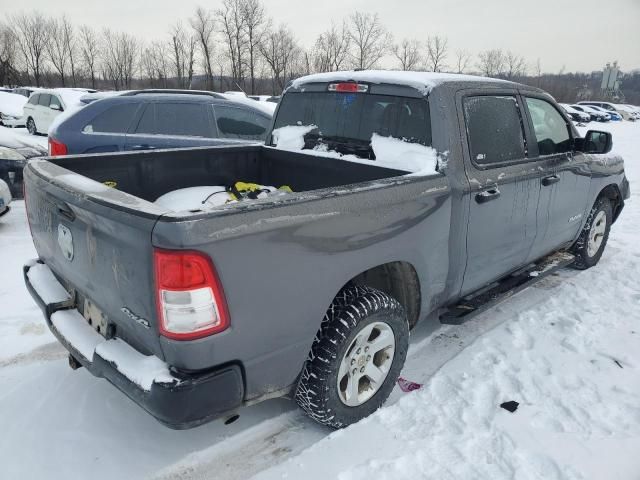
(567,349)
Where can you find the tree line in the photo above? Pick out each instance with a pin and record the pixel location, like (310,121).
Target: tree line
(237,46)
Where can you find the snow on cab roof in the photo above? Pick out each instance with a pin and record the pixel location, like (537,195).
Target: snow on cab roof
(422,81)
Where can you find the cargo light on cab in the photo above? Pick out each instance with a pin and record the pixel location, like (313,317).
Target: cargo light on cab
(348,87)
(189,296)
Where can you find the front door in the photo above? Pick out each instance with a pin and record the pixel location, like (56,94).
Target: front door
(504,184)
(564,178)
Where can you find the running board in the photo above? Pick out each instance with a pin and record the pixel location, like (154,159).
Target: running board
(478,302)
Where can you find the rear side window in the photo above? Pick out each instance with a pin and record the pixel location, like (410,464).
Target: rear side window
(494,129)
(147,121)
(115,119)
(235,122)
(44,100)
(54,101)
(35,99)
(187,119)
(550,129)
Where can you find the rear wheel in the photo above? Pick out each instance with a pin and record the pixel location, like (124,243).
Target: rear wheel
(356,357)
(31,126)
(592,240)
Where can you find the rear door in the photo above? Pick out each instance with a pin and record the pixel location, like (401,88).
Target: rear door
(504,185)
(237,123)
(564,177)
(172,125)
(106,132)
(41,114)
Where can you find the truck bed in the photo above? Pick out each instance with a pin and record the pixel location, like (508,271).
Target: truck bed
(148,175)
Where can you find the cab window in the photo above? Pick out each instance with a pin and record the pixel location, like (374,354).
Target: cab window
(549,127)
(494,129)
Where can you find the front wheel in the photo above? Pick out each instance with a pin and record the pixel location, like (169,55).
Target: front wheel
(590,244)
(31,126)
(355,358)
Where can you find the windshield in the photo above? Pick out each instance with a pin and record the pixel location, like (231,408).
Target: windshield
(352,118)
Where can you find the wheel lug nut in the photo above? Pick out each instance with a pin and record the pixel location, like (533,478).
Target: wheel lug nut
(368,357)
(366,349)
(358,351)
(355,370)
(362,370)
(353,360)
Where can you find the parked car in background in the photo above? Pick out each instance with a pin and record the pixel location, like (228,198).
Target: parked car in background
(609,107)
(153,119)
(575,115)
(595,114)
(45,105)
(12,161)
(25,91)
(633,114)
(265,98)
(5,198)
(613,116)
(11,109)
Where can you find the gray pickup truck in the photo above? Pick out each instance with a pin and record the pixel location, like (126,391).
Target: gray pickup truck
(313,293)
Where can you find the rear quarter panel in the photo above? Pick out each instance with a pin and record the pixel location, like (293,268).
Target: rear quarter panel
(281,266)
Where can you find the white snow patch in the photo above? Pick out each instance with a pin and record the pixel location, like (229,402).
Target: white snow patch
(140,369)
(291,137)
(81,183)
(265,107)
(46,284)
(73,326)
(194,198)
(12,104)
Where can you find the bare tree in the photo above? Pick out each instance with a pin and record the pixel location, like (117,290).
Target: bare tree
(463,61)
(255,23)
(8,56)
(370,40)
(436,53)
(89,51)
(408,54)
(155,65)
(331,50)
(32,32)
(515,66)
(120,58)
(232,27)
(204,26)
(491,62)
(61,49)
(281,52)
(183,46)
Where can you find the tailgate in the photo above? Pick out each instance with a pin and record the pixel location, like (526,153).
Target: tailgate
(97,241)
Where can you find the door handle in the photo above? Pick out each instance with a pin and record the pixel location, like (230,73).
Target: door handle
(487,195)
(65,211)
(550,180)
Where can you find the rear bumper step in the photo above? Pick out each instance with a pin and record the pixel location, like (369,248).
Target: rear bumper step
(474,304)
(178,401)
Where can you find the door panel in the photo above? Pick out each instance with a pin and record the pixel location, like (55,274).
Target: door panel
(504,188)
(564,178)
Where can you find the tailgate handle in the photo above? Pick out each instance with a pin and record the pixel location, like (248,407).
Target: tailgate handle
(65,211)
(550,180)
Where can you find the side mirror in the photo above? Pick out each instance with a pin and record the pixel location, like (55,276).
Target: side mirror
(55,106)
(595,142)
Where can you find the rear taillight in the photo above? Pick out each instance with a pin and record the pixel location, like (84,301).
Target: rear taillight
(189,297)
(348,87)
(56,148)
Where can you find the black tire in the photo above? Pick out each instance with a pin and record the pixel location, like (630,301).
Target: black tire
(580,249)
(31,126)
(353,309)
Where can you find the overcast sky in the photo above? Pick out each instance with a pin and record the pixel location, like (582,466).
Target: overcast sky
(577,35)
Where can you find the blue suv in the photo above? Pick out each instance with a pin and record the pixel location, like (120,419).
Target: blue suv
(153,119)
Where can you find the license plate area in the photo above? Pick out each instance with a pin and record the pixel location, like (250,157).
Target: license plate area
(95,318)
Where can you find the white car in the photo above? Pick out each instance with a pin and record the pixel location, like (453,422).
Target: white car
(611,107)
(11,107)
(576,115)
(5,198)
(44,106)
